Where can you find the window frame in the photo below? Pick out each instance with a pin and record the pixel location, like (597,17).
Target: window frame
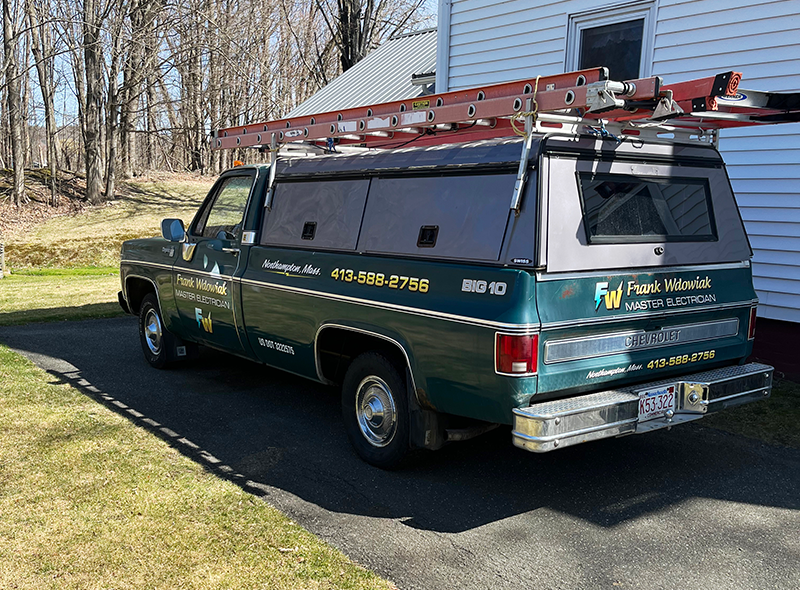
(611,15)
(211,199)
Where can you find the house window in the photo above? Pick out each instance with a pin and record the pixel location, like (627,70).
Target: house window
(619,38)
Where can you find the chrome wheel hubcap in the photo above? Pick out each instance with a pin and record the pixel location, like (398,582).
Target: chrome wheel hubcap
(152,331)
(376,411)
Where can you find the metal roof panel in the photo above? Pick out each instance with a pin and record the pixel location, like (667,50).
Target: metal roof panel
(382,76)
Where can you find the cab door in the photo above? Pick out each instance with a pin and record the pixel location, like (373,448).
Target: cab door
(205,292)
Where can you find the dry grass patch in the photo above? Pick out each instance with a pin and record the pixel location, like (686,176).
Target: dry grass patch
(91,501)
(93,237)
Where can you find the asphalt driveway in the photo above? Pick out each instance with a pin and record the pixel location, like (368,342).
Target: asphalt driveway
(691,508)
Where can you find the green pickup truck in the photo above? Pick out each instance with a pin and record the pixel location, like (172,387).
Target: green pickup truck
(615,298)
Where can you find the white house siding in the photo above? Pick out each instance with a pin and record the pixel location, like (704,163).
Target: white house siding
(493,41)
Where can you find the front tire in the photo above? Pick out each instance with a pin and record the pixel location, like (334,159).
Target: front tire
(157,342)
(375,410)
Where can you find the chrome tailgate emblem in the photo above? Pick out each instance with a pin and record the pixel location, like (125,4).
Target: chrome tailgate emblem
(570,349)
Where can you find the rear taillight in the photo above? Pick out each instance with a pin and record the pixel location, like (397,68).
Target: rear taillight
(751,325)
(516,355)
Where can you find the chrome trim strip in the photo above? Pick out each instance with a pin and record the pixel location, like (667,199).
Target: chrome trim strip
(394,307)
(545,276)
(248,204)
(146,263)
(204,273)
(178,267)
(570,349)
(641,316)
(361,331)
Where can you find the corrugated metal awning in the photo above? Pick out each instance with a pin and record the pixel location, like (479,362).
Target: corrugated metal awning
(383,76)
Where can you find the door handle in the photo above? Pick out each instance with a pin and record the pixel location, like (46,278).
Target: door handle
(234,251)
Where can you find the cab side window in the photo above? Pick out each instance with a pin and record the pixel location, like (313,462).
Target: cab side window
(223,219)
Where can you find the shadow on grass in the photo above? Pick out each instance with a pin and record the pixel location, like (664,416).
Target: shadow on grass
(141,198)
(69,185)
(60,314)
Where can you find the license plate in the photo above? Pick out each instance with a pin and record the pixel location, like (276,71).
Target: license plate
(654,403)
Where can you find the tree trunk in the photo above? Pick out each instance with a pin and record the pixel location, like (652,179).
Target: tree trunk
(112,113)
(92,55)
(13,102)
(42,49)
(28,150)
(150,123)
(126,130)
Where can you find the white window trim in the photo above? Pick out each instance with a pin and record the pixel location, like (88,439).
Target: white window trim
(443,47)
(610,15)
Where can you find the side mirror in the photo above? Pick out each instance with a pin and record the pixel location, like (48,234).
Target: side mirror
(172,230)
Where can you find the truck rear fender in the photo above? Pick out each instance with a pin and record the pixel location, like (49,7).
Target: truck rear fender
(337,345)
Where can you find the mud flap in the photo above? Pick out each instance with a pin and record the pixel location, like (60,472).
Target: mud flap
(427,428)
(122,303)
(183,351)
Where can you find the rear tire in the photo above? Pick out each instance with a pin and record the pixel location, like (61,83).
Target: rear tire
(375,410)
(157,343)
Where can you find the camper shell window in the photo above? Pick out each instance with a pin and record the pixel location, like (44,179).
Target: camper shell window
(469,212)
(621,209)
(322,214)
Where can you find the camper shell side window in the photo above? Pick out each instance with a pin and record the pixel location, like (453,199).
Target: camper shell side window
(319,214)
(467,214)
(622,208)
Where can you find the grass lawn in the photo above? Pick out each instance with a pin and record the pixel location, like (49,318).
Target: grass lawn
(68,266)
(47,295)
(88,500)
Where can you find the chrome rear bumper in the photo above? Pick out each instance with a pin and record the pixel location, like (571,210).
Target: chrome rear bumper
(549,425)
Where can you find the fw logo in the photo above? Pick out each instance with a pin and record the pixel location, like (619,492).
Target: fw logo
(611,298)
(204,323)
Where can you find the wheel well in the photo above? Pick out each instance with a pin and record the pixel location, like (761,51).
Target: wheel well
(338,347)
(136,289)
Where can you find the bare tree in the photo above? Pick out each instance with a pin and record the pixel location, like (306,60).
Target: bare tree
(11,27)
(358,26)
(152,78)
(94,14)
(43,50)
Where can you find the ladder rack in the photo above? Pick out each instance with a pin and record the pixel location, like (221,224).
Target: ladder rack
(585,97)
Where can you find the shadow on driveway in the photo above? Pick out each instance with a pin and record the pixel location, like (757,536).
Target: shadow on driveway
(266,430)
